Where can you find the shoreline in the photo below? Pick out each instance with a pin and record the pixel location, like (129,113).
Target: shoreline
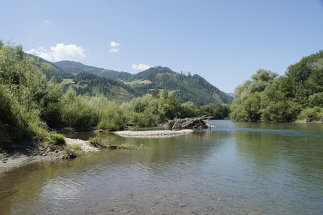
(21,157)
(304,121)
(154,133)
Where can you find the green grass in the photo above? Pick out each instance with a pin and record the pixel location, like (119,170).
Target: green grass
(57,139)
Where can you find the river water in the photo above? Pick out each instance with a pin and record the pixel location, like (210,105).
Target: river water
(234,168)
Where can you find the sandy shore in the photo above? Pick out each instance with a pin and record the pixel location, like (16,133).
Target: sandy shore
(21,157)
(85,145)
(153,134)
(10,161)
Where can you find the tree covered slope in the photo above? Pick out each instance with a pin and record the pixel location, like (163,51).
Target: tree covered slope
(188,88)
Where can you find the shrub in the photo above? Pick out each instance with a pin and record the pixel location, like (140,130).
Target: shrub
(311,114)
(57,139)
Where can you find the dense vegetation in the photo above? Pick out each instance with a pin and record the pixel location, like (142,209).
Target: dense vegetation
(91,84)
(31,105)
(189,88)
(24,93)
(298,95)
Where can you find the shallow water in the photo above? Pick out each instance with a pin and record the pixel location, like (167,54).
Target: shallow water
(235,168)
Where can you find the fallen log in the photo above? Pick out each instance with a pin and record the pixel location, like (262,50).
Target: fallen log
(187,123)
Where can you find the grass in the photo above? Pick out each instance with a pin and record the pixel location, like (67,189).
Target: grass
(99,141)
(57,139)
(74,150)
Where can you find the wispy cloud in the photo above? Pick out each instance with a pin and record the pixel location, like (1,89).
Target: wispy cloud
(59,52)
(140,67)
(46,21)
(114,44)
(114,50)
(114,47)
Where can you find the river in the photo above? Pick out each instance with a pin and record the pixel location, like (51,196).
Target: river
(234,168)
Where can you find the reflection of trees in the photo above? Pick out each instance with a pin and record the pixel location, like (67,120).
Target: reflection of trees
(290,155)
(26,183)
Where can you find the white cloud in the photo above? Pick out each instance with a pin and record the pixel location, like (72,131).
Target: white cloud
(59,52)
(114,50)
(114,44)
(46,21)
(140,67)
(67,52)
(113,47)
(41,52)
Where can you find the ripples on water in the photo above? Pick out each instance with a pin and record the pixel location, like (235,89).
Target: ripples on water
(235,168)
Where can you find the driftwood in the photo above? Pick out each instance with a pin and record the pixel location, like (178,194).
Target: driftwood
(187,123)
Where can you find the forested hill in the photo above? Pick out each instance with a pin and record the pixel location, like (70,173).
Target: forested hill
(76,67)
(50,69)
(86,81)
(188,88)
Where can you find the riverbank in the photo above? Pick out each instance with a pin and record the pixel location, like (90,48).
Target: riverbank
(20,156)
(153,134)
(304,121)
(28,153)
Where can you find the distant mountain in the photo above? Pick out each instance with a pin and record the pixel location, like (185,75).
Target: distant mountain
(76,67)
(51,70)
(91,84)
(231,94)
(86,82)
(188,88)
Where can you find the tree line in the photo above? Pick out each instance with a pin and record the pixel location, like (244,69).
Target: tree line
(32,107)
(297,95)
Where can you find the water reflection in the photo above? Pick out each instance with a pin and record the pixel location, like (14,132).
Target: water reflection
(235,168)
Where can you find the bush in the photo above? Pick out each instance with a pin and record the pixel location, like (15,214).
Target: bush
(107,124)
(311,114)
(57,139)
(78,111)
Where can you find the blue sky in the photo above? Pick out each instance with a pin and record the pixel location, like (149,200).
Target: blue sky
(224,41)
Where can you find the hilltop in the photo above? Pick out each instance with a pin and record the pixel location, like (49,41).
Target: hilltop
(189,88)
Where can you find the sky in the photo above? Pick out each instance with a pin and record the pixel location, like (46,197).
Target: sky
(224,41)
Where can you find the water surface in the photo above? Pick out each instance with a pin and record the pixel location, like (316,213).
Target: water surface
(235,168)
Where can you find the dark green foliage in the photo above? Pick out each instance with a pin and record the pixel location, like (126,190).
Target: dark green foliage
(217,111)
(31,104)
(189,88)
(305,78)
(91,84)
(312,114)
(13,121)
(23,87)
(296,95)
(57,139)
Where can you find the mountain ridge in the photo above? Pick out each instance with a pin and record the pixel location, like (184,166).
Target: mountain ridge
(189,88)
